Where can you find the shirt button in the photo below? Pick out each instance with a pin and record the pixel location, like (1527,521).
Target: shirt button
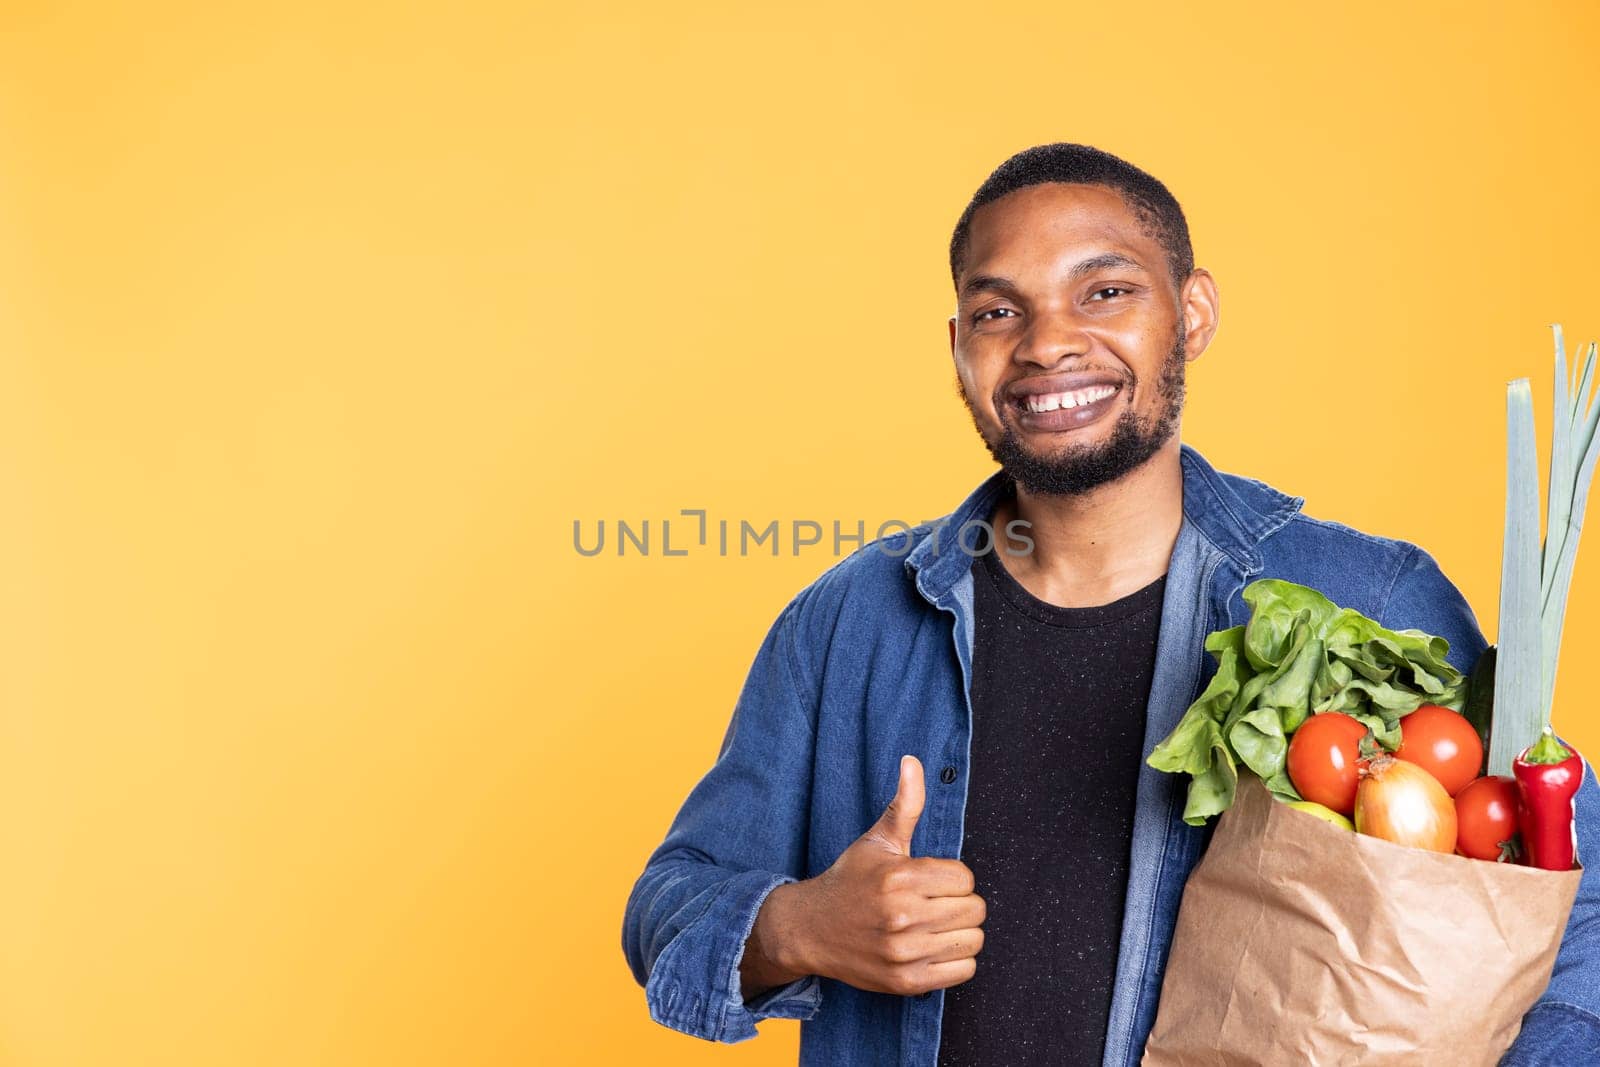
(947,775)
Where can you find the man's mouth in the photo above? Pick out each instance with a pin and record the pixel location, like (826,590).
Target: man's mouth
(1040,402)
(1050,406)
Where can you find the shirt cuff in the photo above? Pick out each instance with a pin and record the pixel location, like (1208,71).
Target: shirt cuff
(694,986)
(1554,1034)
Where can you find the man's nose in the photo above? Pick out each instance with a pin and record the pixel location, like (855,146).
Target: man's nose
(1050,339)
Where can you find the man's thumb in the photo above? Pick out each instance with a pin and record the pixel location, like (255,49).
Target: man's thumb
(899,819)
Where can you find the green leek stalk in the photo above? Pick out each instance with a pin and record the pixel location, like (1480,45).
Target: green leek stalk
(1534,582)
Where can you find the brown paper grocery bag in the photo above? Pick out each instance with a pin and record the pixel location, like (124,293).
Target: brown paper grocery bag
(1301,943)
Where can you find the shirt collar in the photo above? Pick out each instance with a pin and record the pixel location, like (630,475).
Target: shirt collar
(1235,514)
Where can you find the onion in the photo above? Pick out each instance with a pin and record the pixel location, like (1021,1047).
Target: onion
(1401,802)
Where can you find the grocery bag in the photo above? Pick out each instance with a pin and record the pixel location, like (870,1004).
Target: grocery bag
(1299,942)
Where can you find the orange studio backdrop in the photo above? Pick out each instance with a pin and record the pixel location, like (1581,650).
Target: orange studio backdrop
(321,325)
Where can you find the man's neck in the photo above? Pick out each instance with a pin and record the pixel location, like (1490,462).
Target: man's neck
(1103,545)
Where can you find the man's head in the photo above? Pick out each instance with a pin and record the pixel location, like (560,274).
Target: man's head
(1078,306)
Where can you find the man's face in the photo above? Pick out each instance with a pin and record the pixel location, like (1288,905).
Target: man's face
(1069,337)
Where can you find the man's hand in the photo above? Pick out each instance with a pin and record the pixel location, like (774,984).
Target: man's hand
(877,919)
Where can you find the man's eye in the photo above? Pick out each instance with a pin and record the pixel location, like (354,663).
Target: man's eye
(1108,289)
(984,315)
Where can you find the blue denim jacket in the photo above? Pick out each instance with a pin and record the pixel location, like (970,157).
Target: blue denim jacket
(873,660)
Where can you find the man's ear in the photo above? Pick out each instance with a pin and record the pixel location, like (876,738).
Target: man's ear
(952,335)
(1200,312)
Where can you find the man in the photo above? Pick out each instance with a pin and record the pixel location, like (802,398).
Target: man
(817,872)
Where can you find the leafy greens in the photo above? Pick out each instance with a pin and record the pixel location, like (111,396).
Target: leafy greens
(1299,654)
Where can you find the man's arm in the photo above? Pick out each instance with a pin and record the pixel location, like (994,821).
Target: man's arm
(741,833)
(721,930)
(1564,1023)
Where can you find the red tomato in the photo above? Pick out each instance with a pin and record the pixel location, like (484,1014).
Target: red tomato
(1443,743)
(1323,755)
(1486,818)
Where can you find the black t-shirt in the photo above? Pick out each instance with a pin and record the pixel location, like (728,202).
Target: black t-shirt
(1058,702)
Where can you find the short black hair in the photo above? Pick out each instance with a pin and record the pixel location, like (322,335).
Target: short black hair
(1080,164)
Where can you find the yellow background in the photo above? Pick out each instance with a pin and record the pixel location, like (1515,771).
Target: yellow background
(318,329)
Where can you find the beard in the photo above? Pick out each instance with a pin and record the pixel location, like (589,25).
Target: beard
(1076,469)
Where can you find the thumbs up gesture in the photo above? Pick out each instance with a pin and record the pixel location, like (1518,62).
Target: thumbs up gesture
(878,919)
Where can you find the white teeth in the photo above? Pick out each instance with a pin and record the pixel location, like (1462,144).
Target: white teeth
(1052,401)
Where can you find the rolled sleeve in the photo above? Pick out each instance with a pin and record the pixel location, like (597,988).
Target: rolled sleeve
(740,834)
(695,985)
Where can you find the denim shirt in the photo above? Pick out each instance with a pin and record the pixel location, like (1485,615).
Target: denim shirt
(873,660)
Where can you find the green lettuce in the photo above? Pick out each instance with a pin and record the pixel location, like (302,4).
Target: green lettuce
(1299,654)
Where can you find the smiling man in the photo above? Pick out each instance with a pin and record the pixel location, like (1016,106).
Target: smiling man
(1016,906)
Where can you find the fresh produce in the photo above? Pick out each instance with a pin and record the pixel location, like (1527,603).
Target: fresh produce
(1322,759)
(1326,814)
(1462,947)
(1486,820)
(1298,654)
(1534,581)
(1548,776)
(1443,743)
(1330,708)
(1400,802)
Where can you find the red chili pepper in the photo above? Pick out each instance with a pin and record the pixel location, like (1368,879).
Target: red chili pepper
(1548,776)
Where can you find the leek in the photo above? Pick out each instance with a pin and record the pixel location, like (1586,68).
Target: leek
(1517,666)
(1534,582)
